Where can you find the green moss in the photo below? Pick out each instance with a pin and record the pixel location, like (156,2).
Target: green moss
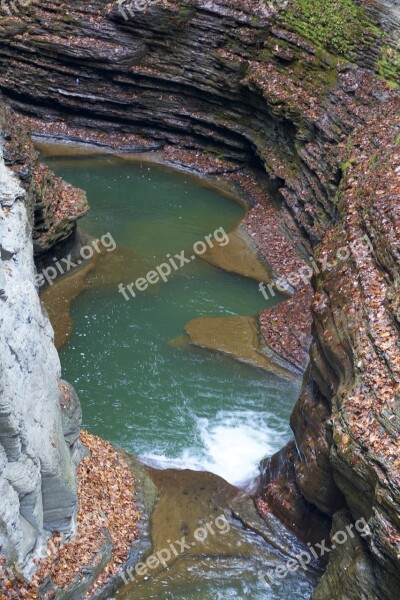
(10,27)
(346,165)
(318,74)
(213,154)
(184,16)
(374,162)
(186,11)
(264,55)
(388,65)
(341,27)
(397,140)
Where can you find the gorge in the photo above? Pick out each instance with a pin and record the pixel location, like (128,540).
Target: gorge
(294,110)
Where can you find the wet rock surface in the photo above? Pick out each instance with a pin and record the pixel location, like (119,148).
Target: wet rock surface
(220,529)
(350,571)
(239,257)
(240,338)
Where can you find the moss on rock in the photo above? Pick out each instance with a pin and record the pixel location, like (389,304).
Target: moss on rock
(341,27)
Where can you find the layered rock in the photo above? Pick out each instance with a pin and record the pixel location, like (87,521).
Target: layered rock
(56,205)
(348,425)
(350,573)
(356,309)
(230,78)
(39,450)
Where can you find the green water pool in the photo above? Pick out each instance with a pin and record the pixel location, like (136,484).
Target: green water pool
(171,405)
(175,405)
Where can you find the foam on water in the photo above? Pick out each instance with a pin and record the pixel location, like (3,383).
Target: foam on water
(231,445)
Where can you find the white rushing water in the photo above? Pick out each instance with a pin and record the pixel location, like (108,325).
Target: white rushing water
(230,445)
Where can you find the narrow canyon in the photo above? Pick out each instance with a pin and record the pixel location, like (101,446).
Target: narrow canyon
(246,156)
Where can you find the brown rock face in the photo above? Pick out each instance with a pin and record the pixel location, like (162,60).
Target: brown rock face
(56,205)
(313,474)
(356,309)
(350,573)
(224,77)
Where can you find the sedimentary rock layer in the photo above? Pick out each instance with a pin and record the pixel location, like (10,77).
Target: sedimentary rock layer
(55,205)
(39,450)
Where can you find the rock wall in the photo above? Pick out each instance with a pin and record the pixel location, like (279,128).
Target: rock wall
(232,78)
(56,205)
(39,451)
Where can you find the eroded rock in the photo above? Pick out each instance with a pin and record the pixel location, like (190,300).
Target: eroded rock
(38,473)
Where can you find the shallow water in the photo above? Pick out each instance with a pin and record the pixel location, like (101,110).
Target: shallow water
(227,561)
(175,405)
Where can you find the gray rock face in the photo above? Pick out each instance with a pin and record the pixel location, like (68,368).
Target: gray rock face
(38,487)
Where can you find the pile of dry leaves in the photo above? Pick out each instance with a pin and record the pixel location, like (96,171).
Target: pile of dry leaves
(106,503)
(61,129)
(286,328)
